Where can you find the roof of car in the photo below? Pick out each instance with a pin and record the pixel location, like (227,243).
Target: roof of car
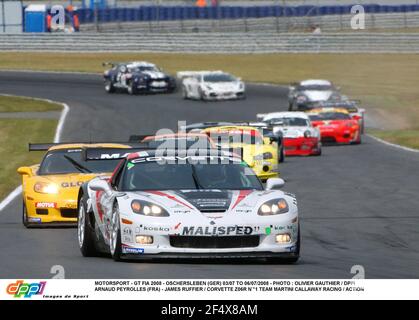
(324,110)
(242,129)
(285,114)
(313,82)
(135,64)
(88,145)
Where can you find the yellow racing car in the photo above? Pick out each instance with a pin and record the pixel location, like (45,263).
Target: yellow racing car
(259,152)
(50,189)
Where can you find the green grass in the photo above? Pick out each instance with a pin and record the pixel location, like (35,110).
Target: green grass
(408,138)
(17,104)
(387,84)
(15,134)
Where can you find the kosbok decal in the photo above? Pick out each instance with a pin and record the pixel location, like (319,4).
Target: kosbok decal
(21,289)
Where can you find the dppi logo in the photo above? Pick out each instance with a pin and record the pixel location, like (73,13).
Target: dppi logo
(27,290)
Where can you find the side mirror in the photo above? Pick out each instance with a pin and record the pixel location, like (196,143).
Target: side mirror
(100,185)
(274,183)
(24,171)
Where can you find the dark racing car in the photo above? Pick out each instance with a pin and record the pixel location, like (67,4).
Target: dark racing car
(137,77)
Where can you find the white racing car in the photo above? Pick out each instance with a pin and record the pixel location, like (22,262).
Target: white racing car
(300,138)
(187,206)
(211,85)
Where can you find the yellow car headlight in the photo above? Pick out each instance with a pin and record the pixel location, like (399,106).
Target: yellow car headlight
(44,187)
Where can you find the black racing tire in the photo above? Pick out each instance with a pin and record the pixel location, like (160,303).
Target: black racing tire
(281,158)
(85,233)
(109,87)
(116,253)
(185,93)
(201,95)
(132,89)
(25,221)
(319,153)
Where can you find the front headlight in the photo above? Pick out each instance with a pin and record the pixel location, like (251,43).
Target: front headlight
(301,99)
(241,86)
(44,187)
(272,207)
(207,87)
(148,209)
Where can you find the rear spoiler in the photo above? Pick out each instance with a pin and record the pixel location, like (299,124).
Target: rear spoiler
(47,146)
(139,137)
(91,154)
(94,154)
(42,146)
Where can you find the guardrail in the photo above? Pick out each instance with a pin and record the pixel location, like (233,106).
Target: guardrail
(215,43)
(170,13)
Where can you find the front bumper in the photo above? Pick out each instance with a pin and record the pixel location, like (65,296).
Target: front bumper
(201,256)
(54,210)
(339,137)
(301,146)
(210,95)
(166,243)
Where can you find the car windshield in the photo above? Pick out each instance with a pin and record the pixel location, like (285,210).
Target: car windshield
(179,143)
(70,161)
(222,77)
(144,68)
(187,176)
(289,122)
(329,116)
(315,88)
(236,137)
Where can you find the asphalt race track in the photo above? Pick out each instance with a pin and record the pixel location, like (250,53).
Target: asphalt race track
(359,205)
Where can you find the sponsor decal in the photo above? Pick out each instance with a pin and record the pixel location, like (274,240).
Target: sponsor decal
(72,184)
(156,229)
(127,231)
(268,230)
(21,289)
(243,194)
(178,225)
(217,231)
(37,220)
(130,250)
(45,205)
(126,239)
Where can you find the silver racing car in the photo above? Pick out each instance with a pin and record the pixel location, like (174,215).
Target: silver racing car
(186,205)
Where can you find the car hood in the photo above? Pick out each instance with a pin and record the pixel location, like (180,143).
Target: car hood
(204,201)
(317,95)
(293,132)
(222,86)
(155,74)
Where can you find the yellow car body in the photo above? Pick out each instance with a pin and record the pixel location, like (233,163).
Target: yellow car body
(50,199)
(259,152)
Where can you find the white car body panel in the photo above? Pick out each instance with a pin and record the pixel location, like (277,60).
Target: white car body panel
(186,219)
(197,88)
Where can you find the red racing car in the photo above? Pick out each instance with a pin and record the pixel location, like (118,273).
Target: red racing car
(336,125)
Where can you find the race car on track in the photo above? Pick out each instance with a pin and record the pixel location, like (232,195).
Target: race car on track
(187,207)
(50,188)
(176,140)
(303,94)
(137,77)
(267,131)
(300,138)
(259,152)
(211,85)
(351,106)
(336,125)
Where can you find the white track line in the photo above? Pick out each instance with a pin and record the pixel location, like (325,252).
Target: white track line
(57,139)
(393,144)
